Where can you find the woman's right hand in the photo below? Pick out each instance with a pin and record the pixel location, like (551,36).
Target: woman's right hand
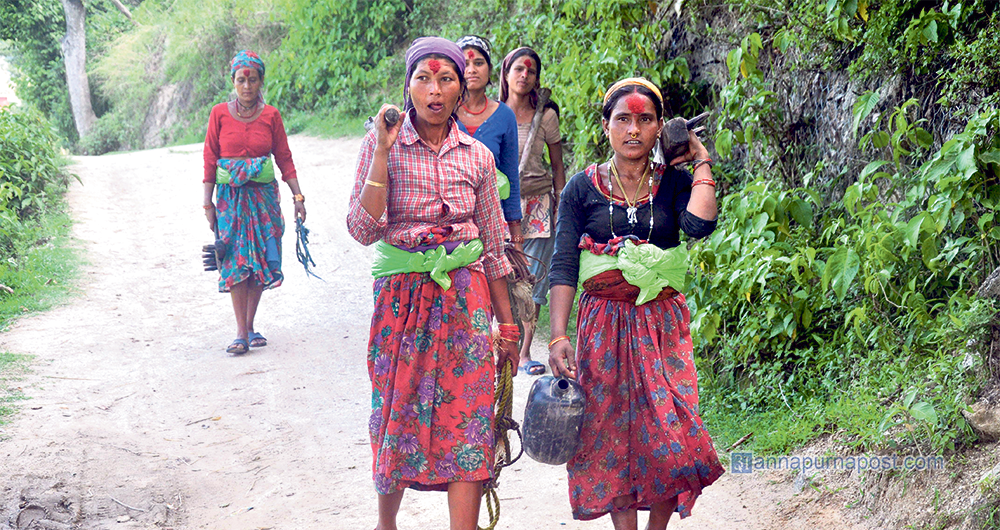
(386,137)
(212,218)
(562,359)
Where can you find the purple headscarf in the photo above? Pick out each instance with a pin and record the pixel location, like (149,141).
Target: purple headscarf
(425,46)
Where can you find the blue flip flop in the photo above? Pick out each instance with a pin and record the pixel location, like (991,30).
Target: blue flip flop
(532,368)
(254,336)
(238,347)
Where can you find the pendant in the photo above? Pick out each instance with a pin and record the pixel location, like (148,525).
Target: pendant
(632,219)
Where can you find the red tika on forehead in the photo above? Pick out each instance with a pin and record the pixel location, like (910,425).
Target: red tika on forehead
(246,72)
(527,62)
(470,54)
(636,103)
(434,65)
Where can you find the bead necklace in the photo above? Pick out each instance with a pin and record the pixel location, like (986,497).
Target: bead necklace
(632,206)
(486,106)
(240,106)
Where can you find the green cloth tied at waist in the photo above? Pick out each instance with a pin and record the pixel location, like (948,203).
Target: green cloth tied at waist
(392,260)
(264,176)
(646,266)
(503,185)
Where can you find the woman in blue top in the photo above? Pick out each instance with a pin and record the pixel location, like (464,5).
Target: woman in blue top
(492,123)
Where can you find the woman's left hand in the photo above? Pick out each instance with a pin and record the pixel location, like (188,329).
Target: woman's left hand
(300,210)
(696,150)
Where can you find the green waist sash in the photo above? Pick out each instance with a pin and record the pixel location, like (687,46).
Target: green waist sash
(503,185)
(266,175)
(648,267)
(392,260)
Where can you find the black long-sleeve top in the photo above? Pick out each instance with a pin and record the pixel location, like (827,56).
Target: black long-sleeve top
(583,209)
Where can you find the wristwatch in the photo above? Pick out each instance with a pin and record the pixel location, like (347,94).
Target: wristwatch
(298,197)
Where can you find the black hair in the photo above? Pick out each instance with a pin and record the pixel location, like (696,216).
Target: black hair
(485,54)
(460,72)
(631,89)
(533,96)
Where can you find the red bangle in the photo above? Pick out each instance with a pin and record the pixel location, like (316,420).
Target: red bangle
(710,182)
(698,163)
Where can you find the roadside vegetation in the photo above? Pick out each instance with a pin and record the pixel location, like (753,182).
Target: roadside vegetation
(37,261)
(838,296)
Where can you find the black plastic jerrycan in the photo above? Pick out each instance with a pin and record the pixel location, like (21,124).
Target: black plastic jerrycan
(552,419)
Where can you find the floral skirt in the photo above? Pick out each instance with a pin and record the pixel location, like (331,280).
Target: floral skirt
(250,224)
(642,434)
(432,371)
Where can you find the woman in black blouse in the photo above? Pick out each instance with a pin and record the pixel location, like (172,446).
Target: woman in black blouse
(643,444)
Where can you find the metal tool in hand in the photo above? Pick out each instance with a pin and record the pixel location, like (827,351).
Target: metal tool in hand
(302,247)
(674,136)
(211,255)
(391,117)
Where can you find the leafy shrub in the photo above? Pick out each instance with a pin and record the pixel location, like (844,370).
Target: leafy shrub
(338,54)
(813,289)
(30,177)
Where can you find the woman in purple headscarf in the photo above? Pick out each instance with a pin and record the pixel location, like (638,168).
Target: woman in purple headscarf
(426,196)
(541,183)
(241,137)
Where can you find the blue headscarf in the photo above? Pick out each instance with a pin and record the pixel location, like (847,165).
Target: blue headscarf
(247,59)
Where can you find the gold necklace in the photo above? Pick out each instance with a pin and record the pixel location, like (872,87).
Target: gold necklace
(632,208)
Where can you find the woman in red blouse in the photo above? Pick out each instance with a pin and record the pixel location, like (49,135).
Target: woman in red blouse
(242,135)
(426,196)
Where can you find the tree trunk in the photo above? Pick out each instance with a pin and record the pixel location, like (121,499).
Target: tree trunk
(74,48)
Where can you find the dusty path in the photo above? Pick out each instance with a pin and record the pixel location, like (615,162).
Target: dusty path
(138,419)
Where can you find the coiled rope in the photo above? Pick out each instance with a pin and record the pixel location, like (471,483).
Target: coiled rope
(503,405)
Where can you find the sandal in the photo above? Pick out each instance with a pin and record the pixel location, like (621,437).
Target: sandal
(238,347)
(532,368)
(257,340)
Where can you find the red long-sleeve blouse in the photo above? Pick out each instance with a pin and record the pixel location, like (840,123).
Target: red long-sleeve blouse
(228,137)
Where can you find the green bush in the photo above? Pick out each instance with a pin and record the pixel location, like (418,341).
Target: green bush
(30,177)
(815,289)
(338,55)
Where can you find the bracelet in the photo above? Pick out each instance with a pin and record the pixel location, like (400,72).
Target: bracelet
(557,339)
(298,197)
(695,164)
(507,325)
(372,183)
(709,182)
(209,206)
(517,239)
(505,339)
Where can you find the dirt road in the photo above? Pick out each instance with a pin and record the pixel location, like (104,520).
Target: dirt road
(137,418)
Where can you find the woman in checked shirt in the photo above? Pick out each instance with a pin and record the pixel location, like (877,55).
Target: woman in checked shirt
(426,196)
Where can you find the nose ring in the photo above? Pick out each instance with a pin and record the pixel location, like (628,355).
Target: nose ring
(633,135)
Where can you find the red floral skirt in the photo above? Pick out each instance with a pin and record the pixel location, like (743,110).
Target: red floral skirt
(642,434)
(432,371)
